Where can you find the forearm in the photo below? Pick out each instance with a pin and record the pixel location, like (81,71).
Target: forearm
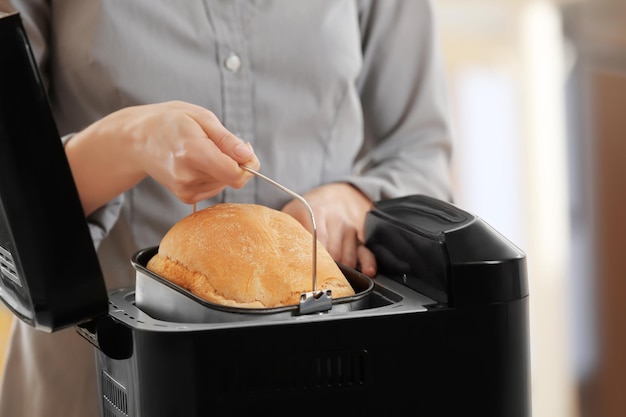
(103,164)
(182,146)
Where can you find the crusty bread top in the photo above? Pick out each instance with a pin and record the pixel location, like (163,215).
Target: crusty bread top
(245,255)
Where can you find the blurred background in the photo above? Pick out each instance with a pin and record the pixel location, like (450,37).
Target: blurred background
(538,95)
(538,98)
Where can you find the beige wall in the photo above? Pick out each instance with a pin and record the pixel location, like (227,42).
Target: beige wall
(512,53)
(569,117)
(597,32)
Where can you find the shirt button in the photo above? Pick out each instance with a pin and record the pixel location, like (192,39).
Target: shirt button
(233,63)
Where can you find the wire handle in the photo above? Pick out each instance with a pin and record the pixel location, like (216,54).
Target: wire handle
(308,207)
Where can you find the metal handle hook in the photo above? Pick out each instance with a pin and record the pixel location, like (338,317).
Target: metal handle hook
(308,207)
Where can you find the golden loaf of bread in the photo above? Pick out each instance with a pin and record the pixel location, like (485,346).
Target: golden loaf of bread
(245,255)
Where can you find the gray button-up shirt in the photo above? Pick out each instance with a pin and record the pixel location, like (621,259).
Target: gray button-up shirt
(324,90)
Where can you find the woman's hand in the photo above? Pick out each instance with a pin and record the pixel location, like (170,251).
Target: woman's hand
(339,210)
(181,145)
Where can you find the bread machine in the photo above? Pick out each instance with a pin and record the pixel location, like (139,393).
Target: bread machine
(443,330)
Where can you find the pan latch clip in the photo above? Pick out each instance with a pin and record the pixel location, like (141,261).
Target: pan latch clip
(316,301)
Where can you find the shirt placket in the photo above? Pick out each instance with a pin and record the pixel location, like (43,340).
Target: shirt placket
(234,64)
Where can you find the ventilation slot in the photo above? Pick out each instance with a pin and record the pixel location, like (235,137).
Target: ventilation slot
(336,371)
(114,398)
(7,266)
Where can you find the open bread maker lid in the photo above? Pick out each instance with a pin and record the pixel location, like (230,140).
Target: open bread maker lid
(49,272)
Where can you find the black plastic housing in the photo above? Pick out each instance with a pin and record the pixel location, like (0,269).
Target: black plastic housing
(399,359)
(444,252)
(50,276)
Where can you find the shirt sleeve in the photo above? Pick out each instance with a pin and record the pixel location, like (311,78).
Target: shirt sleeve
(407,146)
